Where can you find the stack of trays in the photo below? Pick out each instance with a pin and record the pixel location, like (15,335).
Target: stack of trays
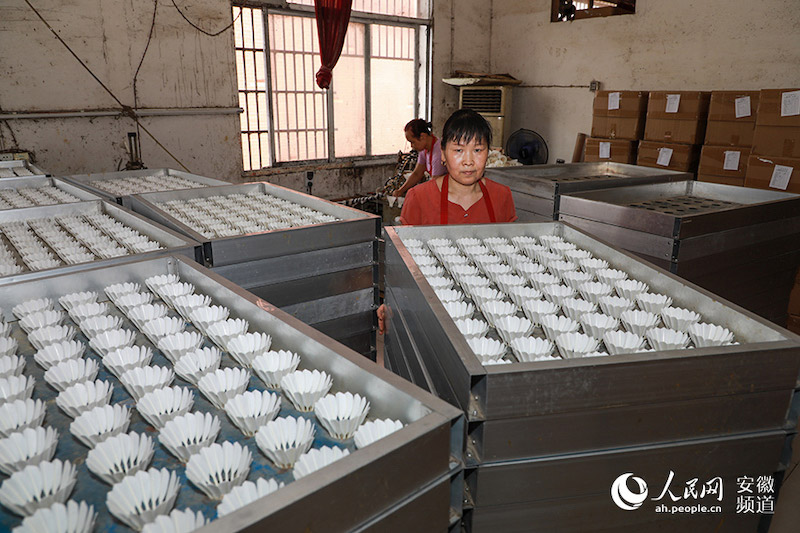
(16,193)
(537,189)
(742,244)
(576,363)
(36,240)
(19,169)
(314,259)
(119,186)
(157,391)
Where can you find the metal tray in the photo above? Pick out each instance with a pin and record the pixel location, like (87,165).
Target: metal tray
(43,181)
(526,415)
(325,274)
(741,243)
(98,183)
(19,168)
(537,189)
(173,242)
(411,468)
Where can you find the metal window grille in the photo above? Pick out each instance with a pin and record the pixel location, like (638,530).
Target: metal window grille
(399,8)
(252,86)
(288,118)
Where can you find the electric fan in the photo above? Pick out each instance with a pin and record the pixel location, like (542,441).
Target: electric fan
(527,147)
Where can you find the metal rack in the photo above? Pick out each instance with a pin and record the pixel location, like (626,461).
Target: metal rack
(537,189)
(404,482)
(19,168)
(37,182)
(325,274)
(104,184)
(172,242)
(546,439)
(740,243)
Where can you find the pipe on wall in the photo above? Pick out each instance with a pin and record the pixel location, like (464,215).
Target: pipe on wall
(189,111)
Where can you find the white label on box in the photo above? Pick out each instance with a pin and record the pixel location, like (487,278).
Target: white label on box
(780,177)
(790,104)
(605,150)
(673,103)
(613,101)
(731,160)
(664,157)
(742,107)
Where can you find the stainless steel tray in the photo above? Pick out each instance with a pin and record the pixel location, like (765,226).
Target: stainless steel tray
(102,183)
(173,242)
(528,421)
(325,274)
(411,468)
(537,189)
(19,168)
(43,181)
(741,243)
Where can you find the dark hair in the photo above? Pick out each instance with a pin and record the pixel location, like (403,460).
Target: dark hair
(466,125)
(418,126)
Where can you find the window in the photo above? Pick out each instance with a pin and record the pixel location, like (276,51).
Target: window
(581,9)
(379,83)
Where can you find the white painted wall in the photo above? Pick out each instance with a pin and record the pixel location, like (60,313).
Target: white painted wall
(667,45)
(182,69)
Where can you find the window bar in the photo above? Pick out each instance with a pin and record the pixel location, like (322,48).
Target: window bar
(415,33)
(247,102)
(285,120)
(331,123)
(367,88)
(306,59)
(255,86)
(268,70)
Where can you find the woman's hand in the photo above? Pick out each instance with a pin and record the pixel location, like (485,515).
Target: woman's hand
(381,319)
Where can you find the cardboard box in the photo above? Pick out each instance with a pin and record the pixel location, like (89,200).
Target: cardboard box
(722,106)
(677,116)
(631,104)
(619,150)
(691,105)
(722,180)
(724,128)
(761,171)
(778,123)
(730,133)
(770,106)
(684,157)
(692,131)
(783,141)
(715,159)
(626,122)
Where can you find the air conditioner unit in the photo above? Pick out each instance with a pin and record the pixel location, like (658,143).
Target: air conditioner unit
(494,103)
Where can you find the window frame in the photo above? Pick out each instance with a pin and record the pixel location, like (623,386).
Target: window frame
(423,36)
(592,12)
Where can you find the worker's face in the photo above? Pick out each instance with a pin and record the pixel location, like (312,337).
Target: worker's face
(417,143)
(465,160)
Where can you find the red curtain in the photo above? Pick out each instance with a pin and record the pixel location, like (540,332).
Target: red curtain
(333,16)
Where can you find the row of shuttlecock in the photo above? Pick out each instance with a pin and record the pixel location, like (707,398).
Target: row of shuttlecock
(544,297)
(238,214)
(124,186)
(43,243)
(38,483)
(17,198)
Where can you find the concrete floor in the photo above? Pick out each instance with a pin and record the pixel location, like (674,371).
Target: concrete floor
(787,508)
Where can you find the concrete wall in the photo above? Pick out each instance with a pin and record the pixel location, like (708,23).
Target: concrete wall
(675,45)
(182,69)
(462,40)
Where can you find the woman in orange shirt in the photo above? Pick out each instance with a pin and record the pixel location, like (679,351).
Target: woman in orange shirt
(464,195)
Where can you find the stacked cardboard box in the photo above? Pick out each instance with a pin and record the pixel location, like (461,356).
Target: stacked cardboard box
(675,129)
(794,307)
(729,137)
(618,121)
(775,159)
